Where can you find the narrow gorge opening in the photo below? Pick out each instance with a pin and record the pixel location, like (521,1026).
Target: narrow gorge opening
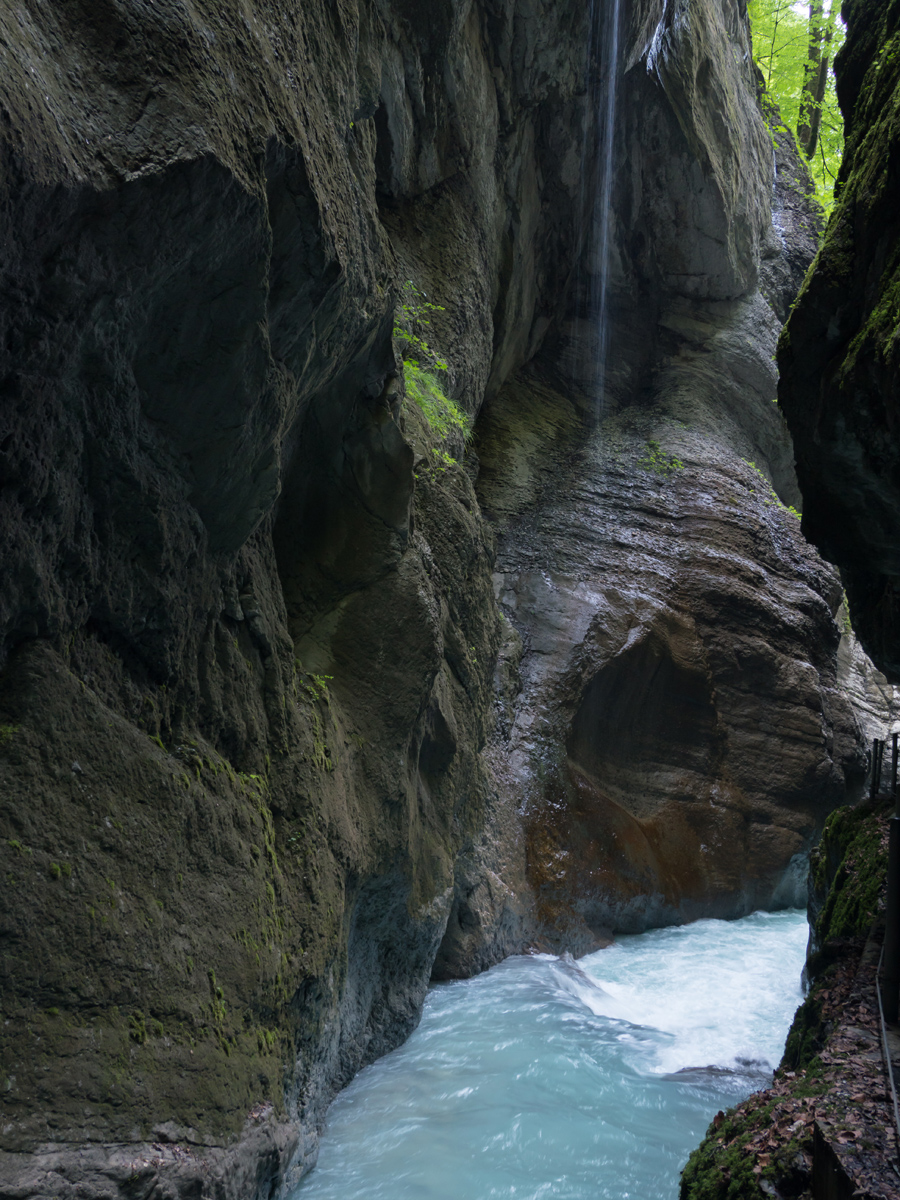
(404,594)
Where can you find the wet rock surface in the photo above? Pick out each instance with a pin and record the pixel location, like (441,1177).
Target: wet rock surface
(681,733)
(247,625)
(875,701)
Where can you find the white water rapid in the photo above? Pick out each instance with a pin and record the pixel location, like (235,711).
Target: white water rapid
(545,1078)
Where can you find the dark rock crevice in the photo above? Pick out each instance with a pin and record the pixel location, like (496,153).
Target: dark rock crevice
(642,721)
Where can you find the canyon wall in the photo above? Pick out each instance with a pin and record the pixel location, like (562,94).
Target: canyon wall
(300,705)
(839,355)
(248,632)
(682,730)
(838,389)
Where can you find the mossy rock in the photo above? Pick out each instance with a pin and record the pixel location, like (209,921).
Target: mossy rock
(847,871)
(805,1037)
(718,1171)
(852,860)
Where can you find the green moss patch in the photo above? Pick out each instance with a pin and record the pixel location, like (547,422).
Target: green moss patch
(853,852)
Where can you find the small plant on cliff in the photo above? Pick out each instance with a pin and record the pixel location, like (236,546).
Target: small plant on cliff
(217,1003)
(137,1027)
(410,322)
(773,496)
(656,460)
(441,413)
(421,364)
(317,688)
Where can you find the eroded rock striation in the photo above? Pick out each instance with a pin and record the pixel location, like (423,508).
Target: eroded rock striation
(266,732)
(681,732)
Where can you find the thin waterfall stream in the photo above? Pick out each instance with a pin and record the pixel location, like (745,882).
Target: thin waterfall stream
(597,202)
(607,122)
(545,1077)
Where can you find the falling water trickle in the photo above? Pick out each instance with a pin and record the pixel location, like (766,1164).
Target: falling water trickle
(606,31)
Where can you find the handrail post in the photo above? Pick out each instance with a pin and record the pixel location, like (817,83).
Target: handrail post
(876,770)
(894,737)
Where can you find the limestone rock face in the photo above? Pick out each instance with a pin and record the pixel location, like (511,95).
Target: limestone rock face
(717,191)
(680,734)
(839,354)
(875,701)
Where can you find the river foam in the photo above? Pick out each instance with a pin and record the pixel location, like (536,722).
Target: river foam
(590,1080)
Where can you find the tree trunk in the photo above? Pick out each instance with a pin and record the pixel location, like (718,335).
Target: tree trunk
(815,78)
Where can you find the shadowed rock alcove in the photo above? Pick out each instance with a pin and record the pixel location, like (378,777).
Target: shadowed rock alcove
(645,723)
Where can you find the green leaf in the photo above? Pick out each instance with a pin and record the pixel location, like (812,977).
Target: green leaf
(785,37)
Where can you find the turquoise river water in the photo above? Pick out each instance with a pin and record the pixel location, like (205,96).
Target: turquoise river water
(546,1078)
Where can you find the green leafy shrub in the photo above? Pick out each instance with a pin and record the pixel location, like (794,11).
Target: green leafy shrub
(442,414)
(655,459)
(421,365)
(410,321)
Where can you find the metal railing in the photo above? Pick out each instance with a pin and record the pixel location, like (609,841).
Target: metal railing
(878,746)
(890,972)
(888,986)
